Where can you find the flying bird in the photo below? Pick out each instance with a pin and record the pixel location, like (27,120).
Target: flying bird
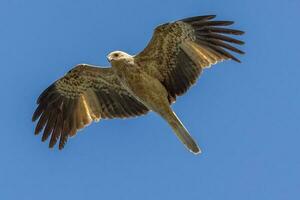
(136,84)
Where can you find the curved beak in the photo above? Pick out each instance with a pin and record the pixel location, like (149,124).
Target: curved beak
(109,58)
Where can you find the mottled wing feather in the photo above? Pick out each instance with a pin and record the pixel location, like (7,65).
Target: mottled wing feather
(179,51)
(83,95)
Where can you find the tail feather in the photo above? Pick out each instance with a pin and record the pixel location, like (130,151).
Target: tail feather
(183,134)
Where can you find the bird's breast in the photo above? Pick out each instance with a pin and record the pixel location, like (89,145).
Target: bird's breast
(141,85)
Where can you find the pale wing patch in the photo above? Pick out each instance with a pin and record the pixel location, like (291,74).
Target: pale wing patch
(201,55)
(87,109)
(93,105)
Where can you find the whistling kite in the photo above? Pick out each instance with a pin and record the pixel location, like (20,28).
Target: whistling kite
(134,85)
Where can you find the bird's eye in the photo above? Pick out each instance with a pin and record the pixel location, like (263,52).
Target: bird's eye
(116,55)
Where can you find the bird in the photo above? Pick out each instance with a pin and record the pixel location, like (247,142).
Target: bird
(133,85)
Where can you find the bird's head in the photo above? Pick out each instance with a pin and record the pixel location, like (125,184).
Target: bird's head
(118,56)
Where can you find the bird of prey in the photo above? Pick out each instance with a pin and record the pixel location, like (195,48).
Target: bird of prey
(136,84)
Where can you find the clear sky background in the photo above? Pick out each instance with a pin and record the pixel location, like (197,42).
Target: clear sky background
(246,117)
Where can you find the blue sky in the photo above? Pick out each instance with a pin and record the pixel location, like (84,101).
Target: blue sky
(244,116)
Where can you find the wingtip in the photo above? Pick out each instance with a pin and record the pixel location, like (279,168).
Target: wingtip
(227,23)
(236,60)
(37,130)
(51,148)
(208,17)
(198,18)
(51,145)
(61,145)
(43,139)
(241,32)
(60,148)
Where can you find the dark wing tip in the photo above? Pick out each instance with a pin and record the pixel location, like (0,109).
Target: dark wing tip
(44,138)
(236,60)
(51,113)
(38,111)
(239,32)
(211,34)
(45,93)
(198,18)
(204,22)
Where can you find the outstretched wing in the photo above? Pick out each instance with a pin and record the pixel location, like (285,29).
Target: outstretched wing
(179,51)
(83,95)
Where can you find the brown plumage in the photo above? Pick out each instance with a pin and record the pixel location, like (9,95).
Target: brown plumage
(151,80)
